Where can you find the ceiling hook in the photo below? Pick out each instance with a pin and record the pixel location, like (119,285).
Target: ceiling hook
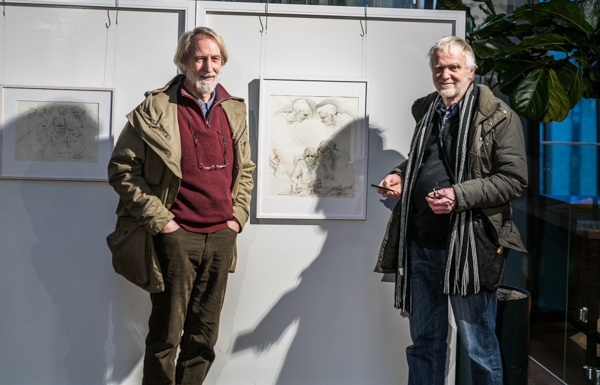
(263,28)
(109,22)
(365,30)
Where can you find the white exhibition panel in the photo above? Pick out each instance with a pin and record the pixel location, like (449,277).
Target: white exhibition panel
(304,306)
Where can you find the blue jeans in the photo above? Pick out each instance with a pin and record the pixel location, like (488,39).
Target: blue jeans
(475,317)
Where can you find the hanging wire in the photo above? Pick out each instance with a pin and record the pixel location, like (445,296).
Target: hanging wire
(117,17)
(109,22)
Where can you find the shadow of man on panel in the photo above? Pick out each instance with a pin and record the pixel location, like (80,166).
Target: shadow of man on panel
(103,333)
(328,303)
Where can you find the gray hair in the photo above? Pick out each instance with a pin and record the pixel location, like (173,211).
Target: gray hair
(449,43)
(183,47)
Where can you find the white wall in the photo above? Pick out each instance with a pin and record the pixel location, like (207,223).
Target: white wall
(304,306)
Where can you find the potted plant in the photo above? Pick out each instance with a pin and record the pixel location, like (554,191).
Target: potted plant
(545,57)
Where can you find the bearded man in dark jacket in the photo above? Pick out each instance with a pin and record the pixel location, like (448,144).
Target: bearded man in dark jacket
(449,233)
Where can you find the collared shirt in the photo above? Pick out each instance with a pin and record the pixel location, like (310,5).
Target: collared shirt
(205,106)
(208,105)
(446,112)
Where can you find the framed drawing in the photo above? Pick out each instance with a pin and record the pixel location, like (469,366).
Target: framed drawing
(312,149)
(56,133)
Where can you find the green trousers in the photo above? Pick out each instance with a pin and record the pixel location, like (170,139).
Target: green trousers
(195,269)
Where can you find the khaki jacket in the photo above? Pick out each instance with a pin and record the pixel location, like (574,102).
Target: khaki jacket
(145,170)
(497,174)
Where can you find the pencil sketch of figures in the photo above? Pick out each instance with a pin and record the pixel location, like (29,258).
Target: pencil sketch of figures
(315,154)
(297,111)
(56,132)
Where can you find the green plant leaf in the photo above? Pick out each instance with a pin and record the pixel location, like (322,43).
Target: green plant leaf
(542,30)
(530,97)
(558,101)
(550,41)
(501,43)
(520,13)
(481,50)
(567,11)
(490,6)
(484,66)
(484,10)
(591,12)
(576,91)
(535,17)
(494,28)
(581,58)
(516,71)
(571,78)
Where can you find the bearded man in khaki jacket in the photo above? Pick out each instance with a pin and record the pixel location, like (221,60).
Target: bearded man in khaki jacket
(183,173)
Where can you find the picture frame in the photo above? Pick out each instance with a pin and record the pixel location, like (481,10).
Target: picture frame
(312,149)
(62,133)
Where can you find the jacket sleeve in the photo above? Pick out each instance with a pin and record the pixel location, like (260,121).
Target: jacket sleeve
(241,203)
(126,176)
(508,166)
(400,169)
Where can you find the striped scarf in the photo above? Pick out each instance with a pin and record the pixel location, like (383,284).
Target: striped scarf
(462,272)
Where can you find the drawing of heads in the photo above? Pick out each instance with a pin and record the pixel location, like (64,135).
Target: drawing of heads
(60,125)
(310,156)
(327,113)
(32,112)
(78,112)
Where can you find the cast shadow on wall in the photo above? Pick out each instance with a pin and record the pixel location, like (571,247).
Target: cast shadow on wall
(328,317)
(102,316)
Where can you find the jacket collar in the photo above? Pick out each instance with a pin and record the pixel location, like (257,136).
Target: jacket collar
(487,103)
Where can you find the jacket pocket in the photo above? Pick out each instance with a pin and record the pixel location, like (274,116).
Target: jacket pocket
(127,245)
(510,237)
(490,258)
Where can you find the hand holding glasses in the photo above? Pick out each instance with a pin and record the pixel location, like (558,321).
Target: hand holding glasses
(437,194)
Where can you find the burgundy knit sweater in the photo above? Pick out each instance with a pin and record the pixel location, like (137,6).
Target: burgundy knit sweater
(203,204)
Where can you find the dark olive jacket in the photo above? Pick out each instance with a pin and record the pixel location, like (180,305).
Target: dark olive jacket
(497,174)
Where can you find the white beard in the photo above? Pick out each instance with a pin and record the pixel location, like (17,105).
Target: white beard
(204,87)
(458,89)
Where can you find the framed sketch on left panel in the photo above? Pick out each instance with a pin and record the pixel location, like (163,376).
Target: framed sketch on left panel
(56,133)
(312,149)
